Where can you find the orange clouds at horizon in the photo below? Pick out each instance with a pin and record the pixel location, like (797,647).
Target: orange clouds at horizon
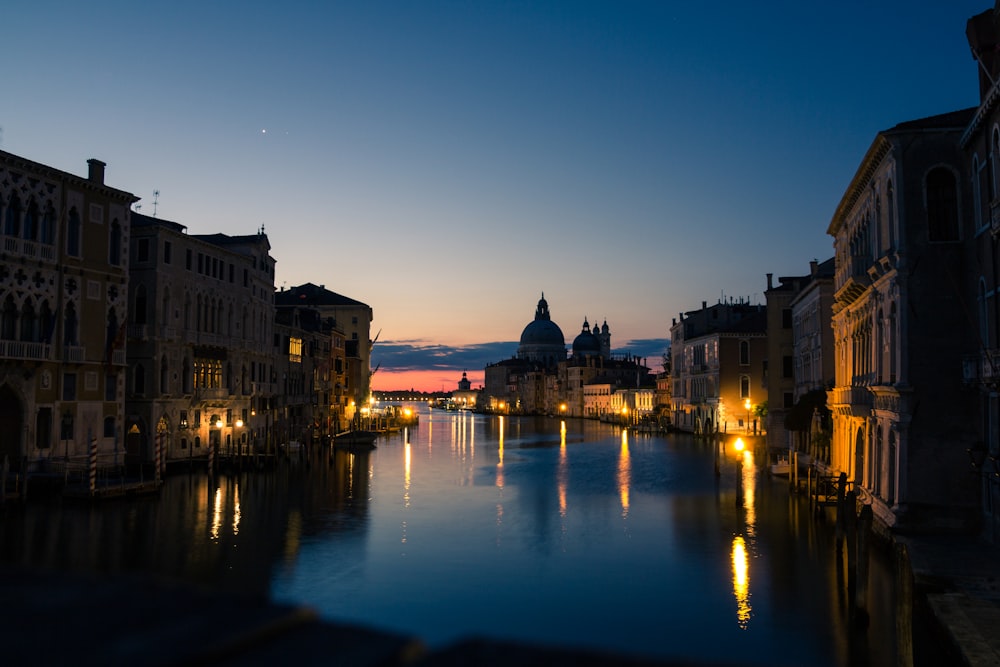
(425,381)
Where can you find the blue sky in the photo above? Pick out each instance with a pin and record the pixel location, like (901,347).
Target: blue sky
(447,162)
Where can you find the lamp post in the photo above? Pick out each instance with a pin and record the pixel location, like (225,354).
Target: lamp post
(746,404)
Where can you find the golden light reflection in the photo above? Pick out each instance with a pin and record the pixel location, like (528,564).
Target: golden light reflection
(741,582)
(749,492)
(217,514)
(500,455)
(407,457)
(624,474)
(237,514)
(562,469)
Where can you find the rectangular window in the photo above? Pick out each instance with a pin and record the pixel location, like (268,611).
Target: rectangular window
(786,318)
(787,367)
(788,400)
(69,387)
(110,387)
(142,250)
(43,428)
(167,248)
(187,261)
(201,263)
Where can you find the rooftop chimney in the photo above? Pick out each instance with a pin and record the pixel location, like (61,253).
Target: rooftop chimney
(96,172)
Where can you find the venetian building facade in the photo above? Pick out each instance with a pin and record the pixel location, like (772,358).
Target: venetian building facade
(980,145)
(353,319)
(63,304)
(303,355)
(718,358)
(200,342)
(902,418)
(800,358)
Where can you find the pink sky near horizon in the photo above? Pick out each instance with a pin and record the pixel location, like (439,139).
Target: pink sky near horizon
(425,381)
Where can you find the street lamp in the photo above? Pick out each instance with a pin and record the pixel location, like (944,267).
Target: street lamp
(746,404)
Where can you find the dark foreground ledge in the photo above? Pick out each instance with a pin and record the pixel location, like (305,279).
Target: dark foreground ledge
(56,618)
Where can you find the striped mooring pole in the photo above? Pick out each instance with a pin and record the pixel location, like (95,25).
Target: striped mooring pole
(93,465)
(211,459)
(158,453)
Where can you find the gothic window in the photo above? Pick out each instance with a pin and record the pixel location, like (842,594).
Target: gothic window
(31,221)
(942,205)
(8,319)
(46,322)
(12,221)
(744,386)
(744,353)
(29,322)
(48,228)
(73,233)
(70,325)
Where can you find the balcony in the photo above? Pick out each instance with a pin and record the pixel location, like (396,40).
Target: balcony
(137,332)
(982,369)
(23,350)
(855,396)
(74,354)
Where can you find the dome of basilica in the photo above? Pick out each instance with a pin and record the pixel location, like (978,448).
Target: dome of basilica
(542,340)
(586,343)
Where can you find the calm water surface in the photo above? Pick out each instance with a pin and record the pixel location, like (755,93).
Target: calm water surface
(538,530)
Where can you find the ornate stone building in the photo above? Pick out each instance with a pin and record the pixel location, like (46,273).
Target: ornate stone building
(63,307)
(200,345)
(903,419)
(718,356)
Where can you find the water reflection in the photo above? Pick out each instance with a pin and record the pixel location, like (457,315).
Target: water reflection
(624,474)
(517,519)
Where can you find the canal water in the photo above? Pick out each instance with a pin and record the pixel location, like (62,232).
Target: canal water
(545,531)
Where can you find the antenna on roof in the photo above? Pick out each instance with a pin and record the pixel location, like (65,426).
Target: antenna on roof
(156,197)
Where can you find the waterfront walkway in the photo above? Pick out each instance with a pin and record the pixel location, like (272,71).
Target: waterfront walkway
(960,580)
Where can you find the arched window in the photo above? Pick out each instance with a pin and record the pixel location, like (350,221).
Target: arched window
(744,353)
(46,323)
(115,244)
(31,221)
(8,319)
(29,322)
(186,376)
(12,221)
(73,233)
(941,194)
(48,228)
(890,215)
(70,325)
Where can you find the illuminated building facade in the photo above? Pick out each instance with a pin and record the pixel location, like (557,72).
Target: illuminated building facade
(63,305)
(200,347)
(718,358)
(902,418)
(353,319)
